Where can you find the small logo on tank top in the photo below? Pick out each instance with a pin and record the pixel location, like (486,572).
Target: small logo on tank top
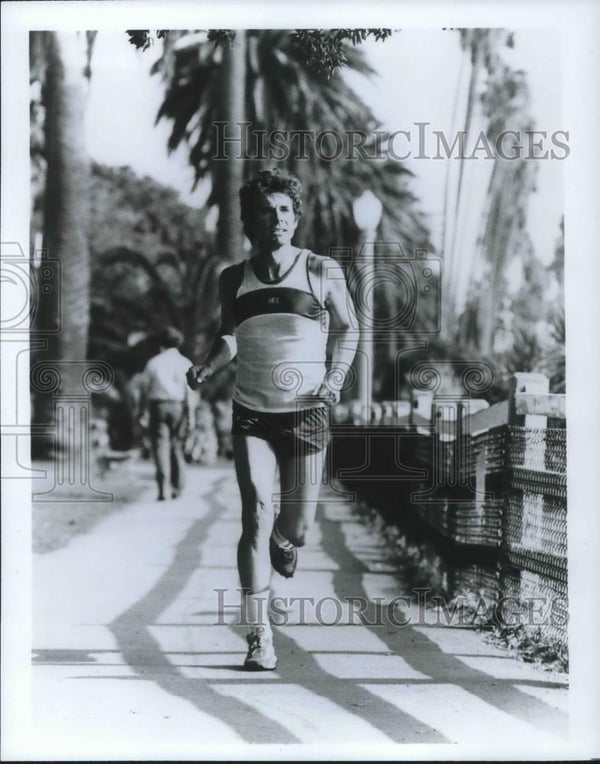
(273,300)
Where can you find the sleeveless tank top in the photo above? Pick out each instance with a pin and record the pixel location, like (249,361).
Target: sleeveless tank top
(281,333)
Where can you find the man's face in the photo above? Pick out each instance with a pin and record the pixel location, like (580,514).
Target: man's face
(275,222)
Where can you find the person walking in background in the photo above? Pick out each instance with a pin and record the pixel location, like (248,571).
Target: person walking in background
(168,405)
(277,310)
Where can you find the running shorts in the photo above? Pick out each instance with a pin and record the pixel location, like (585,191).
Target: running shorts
(302,431)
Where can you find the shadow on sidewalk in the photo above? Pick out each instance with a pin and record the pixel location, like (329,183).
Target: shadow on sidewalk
(298,667)
(143,654)
(425,656)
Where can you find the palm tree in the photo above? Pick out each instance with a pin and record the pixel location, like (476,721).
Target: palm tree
(510,184)
(481,48)
(283,93)
(136,292)
(62,60)
(497,98)
(231,171)
(506,103)
(525,355)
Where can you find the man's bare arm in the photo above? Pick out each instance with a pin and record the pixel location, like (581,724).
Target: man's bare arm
(223,347)
(341,309)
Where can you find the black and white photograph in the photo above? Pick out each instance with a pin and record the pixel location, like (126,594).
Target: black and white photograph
(299,421)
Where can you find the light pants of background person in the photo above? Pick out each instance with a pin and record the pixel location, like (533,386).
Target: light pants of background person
(166,425)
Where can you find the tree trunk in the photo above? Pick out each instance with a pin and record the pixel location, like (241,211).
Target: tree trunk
(451,256)
(500,224)
(231,174)
(447,304)
(65,313)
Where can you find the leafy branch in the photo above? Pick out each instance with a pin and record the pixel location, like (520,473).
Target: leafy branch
(322,50)
(142,39)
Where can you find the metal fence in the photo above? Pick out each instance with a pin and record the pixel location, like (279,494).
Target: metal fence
(488,484)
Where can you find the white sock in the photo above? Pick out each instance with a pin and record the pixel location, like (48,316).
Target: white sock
(257,609)
(280,540)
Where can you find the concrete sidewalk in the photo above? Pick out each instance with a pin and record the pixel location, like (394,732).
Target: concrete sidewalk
(136,654)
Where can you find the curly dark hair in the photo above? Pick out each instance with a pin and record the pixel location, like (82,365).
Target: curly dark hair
(268,182)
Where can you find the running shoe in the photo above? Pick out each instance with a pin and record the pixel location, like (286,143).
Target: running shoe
(284,561)
(261,653)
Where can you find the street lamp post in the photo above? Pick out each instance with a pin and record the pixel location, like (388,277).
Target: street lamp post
(367,214)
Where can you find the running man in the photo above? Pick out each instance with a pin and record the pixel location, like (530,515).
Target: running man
(278,308)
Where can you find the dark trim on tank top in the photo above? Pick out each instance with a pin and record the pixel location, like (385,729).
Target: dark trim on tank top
(310,285)
(279,300)
(281,278)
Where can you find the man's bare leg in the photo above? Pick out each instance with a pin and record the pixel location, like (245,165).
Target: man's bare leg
(301,477)
(255,464)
